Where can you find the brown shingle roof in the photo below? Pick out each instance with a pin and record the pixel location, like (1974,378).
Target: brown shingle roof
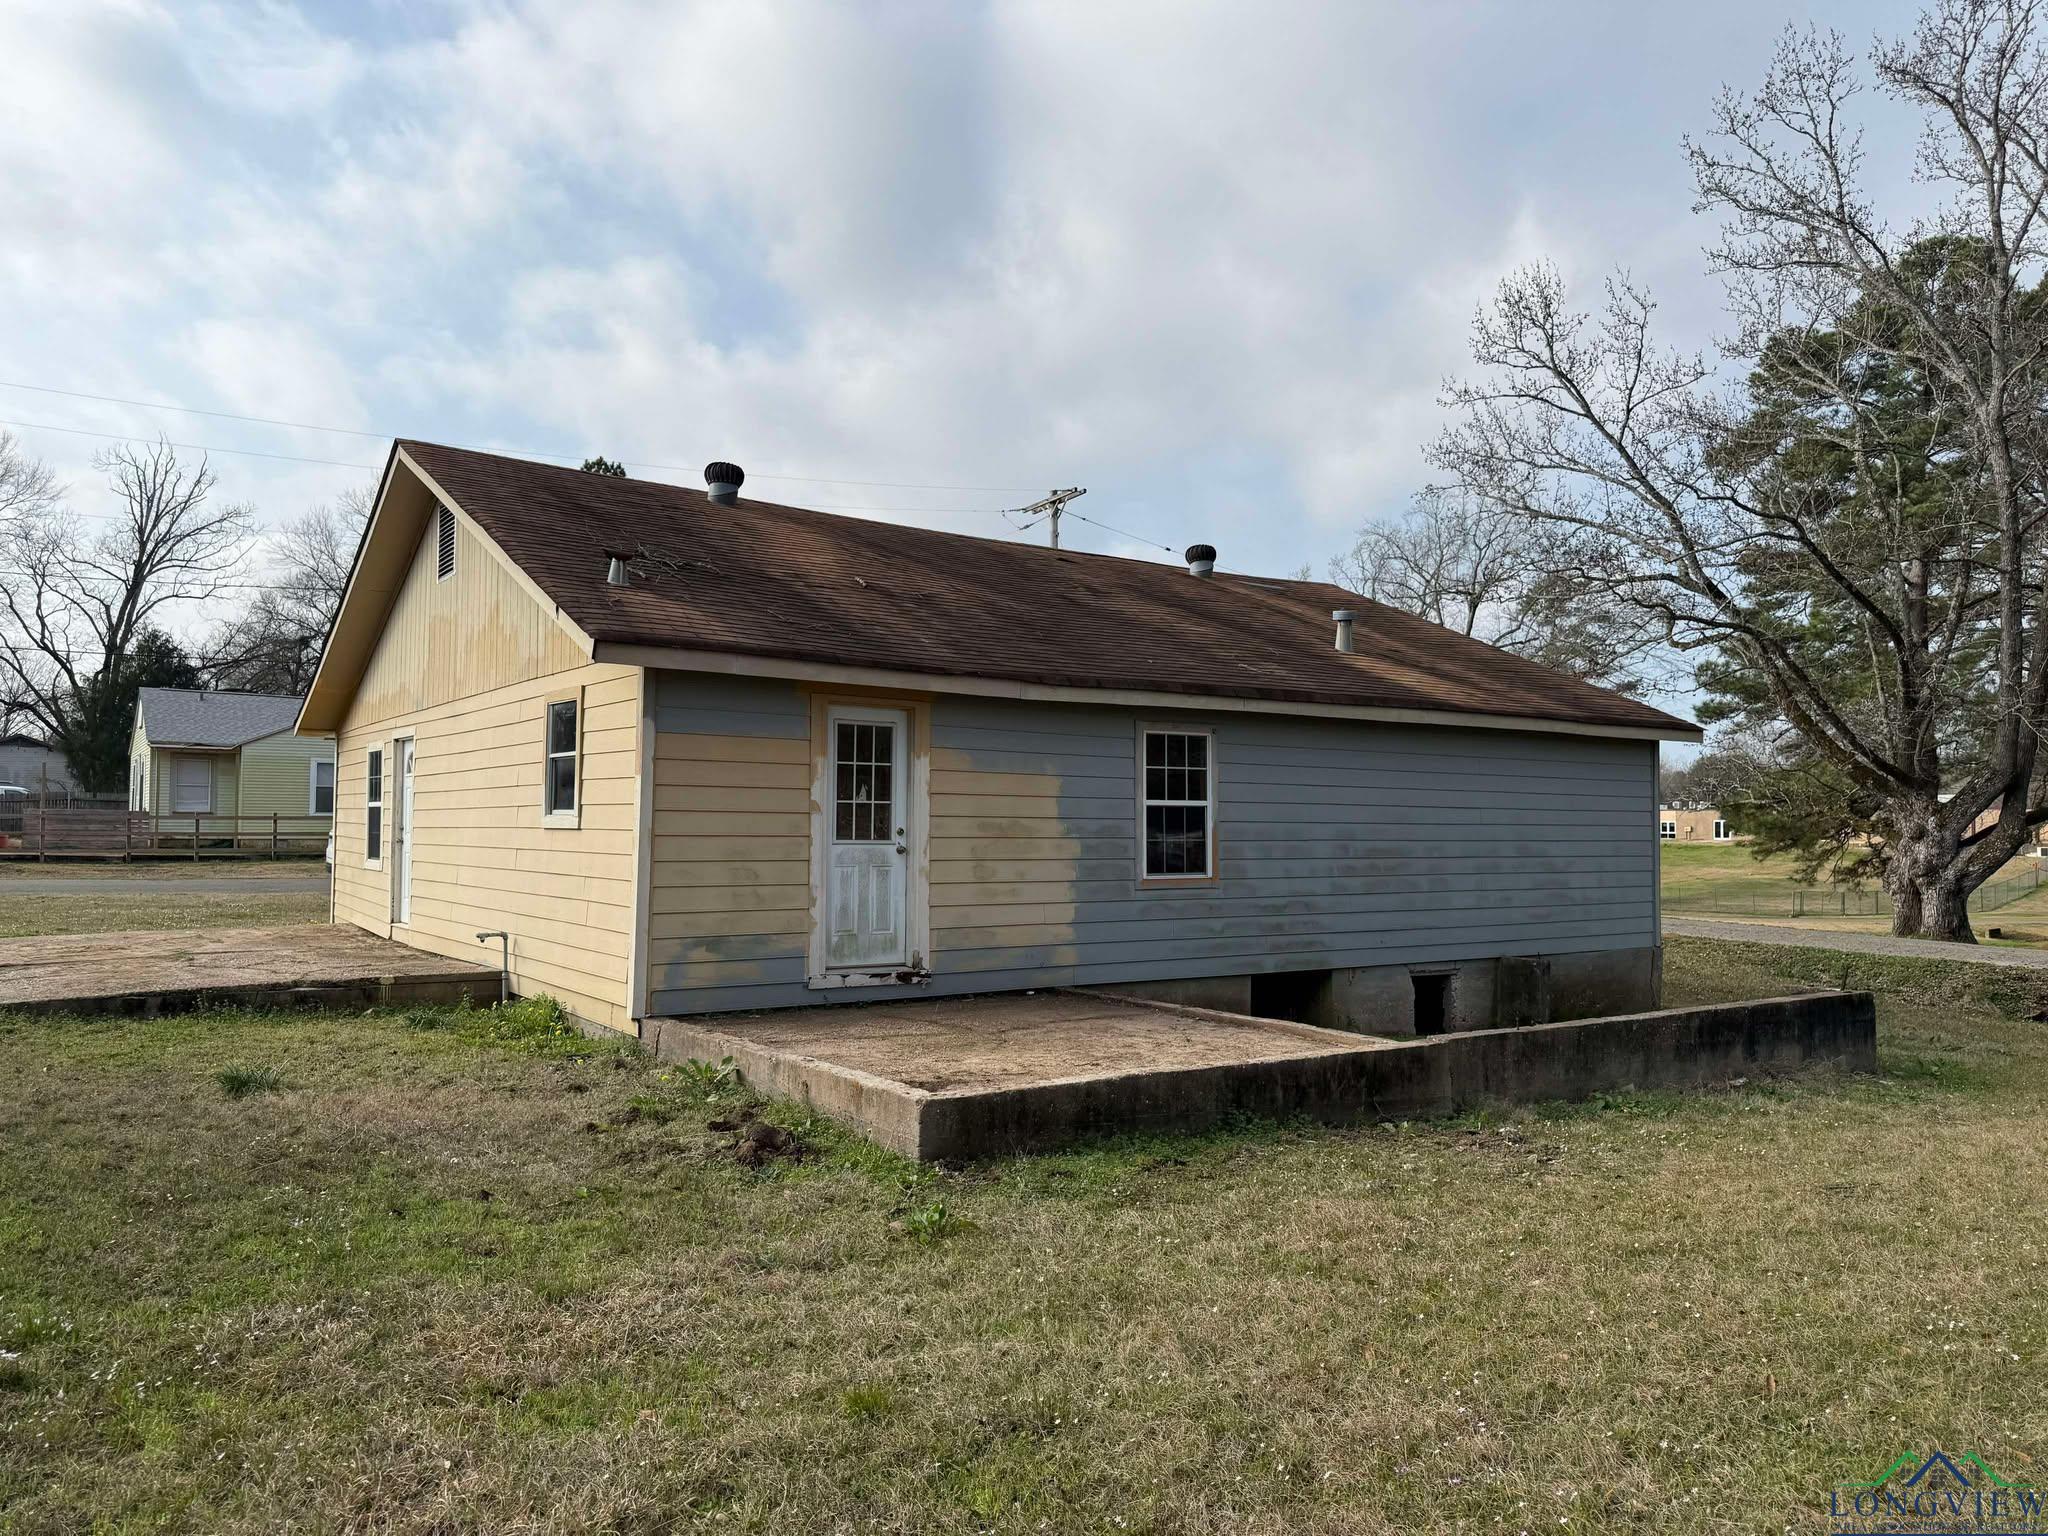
(762,580)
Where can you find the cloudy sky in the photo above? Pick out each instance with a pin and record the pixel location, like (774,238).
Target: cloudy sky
(1211,262)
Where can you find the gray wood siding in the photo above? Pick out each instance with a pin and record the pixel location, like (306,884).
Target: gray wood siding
(1339,844)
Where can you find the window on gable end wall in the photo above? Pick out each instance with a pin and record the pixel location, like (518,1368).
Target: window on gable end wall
(444,544)
(562,729)
(320,787)
(1176,804)
(373,808)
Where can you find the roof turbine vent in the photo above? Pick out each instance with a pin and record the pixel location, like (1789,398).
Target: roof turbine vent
(723,481)
(1201,559)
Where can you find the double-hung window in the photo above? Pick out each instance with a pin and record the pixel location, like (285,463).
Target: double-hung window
(373,808)
(1668,830)
(320,789)
(559,773)
(1177,793)
(191,784)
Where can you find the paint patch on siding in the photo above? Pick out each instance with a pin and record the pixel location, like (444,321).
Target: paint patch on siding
(1339,845)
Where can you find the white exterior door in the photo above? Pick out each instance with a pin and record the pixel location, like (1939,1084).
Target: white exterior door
(401,835)
(867,859)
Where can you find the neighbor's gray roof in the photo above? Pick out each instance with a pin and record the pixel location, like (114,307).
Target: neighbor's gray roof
(192,717)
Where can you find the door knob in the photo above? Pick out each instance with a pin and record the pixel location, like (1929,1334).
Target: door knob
(901,845)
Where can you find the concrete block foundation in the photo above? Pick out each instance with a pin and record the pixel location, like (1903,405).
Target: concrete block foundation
(1397,1000)
(1301,1072)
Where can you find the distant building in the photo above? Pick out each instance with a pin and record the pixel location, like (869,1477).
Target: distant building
(1693,824)
(1986,820)
(33,764)
(228,755)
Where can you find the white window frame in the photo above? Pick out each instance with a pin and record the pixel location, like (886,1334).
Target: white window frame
(313,768)
(1667,831)
(178,761)
(373,800)
(1211,855)
(1721,830)
(446,532)
(549,817)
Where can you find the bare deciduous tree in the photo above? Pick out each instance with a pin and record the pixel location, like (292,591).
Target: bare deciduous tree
(74,602)
(276,644)
(1919,553)
(1477,569)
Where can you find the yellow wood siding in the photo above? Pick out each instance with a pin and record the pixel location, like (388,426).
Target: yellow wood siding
(467,666)
(449,640)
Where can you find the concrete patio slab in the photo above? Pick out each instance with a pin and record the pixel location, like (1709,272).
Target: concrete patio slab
(978,1076)
(310,964)
(1018,1039)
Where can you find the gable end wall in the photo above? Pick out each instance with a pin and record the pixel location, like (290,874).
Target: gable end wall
(467,666)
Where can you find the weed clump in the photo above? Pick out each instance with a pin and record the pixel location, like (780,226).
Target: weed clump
(708,1079)
(534,1026)
(238,1081)
(932,1223)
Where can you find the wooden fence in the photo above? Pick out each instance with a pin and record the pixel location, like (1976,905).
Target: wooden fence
(111,833)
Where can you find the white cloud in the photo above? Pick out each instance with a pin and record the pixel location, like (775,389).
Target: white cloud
(1213,263)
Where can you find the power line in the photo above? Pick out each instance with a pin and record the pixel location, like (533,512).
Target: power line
(1121,533)
(1047,509)
(307,426)
(1052,505)
(123,437)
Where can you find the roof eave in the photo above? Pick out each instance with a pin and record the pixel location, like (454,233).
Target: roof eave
(737,664)
(327,700)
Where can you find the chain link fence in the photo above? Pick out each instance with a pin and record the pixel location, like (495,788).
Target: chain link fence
(1781,898)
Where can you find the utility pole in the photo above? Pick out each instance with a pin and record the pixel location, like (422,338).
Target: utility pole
(1050,506)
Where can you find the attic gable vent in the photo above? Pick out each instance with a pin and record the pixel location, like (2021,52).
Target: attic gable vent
(444,555)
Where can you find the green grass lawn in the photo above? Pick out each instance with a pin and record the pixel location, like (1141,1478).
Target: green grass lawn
(1727,880)
(316,1273)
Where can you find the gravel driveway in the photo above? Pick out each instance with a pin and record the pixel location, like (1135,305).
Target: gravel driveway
(1855,943)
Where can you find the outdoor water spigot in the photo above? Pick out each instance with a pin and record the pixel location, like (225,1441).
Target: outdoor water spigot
(504,961)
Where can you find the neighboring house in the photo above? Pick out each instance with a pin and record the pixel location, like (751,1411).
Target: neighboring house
(697,753)
(233,757)
(33,765)
(1988,818)
(1693,824)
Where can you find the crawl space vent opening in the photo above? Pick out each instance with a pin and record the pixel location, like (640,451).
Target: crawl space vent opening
(1432,1003)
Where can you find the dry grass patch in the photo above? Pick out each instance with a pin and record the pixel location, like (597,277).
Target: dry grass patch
(115,912)
(486,1276)
(243,868)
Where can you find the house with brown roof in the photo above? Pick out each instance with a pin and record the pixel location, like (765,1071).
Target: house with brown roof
(695,753)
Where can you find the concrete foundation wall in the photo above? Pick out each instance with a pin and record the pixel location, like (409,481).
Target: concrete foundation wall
(1425,1079)
(1481,994)
(1678,1048)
